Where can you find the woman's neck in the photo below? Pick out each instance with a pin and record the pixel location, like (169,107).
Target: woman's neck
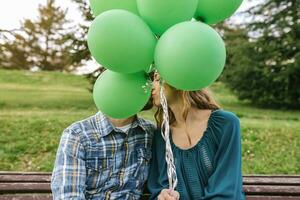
(177,108)
(121,122)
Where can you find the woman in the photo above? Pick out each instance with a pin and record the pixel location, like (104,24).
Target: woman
(206,145)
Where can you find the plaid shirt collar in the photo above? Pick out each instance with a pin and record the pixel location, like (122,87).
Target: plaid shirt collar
(105,127)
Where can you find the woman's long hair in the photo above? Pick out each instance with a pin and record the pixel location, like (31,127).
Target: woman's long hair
(201,99)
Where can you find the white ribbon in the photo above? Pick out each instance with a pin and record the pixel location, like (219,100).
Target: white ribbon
(165,131)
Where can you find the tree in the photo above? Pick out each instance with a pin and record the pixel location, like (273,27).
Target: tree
(48,43)
(264,56)
(86,13)
(83,53)
(13,55)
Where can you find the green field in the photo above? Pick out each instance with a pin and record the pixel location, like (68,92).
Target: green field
(36,107)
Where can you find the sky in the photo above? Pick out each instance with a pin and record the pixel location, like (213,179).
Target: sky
(13,11)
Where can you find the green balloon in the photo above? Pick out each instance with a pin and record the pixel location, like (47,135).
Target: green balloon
(121,42)
(162,14)
(214,11)
(190,56)
(100,6)
(121,95)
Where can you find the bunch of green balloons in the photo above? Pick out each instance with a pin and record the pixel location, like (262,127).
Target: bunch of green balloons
(128,36)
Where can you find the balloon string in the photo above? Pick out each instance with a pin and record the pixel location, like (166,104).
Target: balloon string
(165,131)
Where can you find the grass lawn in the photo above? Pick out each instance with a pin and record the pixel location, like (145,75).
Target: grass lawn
(36,107)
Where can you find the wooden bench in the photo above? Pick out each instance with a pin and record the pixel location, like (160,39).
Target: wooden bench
(36,186)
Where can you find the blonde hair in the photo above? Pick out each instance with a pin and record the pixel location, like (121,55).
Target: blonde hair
(201,99)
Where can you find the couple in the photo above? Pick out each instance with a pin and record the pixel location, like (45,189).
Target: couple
(105,158)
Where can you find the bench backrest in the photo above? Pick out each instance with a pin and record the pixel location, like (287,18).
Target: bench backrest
(36,186)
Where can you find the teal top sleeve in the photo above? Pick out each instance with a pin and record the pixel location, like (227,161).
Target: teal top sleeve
(209,170)
(226,180)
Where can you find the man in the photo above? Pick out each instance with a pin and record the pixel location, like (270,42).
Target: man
(103,158)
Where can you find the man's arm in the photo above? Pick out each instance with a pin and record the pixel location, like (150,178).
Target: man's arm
(69,173)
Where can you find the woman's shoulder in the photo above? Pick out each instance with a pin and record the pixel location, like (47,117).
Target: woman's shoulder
(224,122)
(225,117)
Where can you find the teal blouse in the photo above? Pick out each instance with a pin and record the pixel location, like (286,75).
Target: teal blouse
(209,170)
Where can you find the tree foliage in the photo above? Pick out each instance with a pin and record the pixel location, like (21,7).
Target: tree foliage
(48,43)
(263,63)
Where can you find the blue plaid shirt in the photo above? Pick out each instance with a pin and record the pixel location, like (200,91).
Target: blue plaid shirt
(96,160)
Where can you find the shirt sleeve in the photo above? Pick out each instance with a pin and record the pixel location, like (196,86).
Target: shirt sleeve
(158,179)
(228,165)
(69,173)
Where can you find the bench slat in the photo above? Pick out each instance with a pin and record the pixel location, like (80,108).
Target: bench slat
(25,178)
(25,173)
(269,180)
(27,197)
(272,190)
(24,188)
(272,198)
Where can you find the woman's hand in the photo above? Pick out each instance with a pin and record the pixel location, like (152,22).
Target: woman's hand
(168,194)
